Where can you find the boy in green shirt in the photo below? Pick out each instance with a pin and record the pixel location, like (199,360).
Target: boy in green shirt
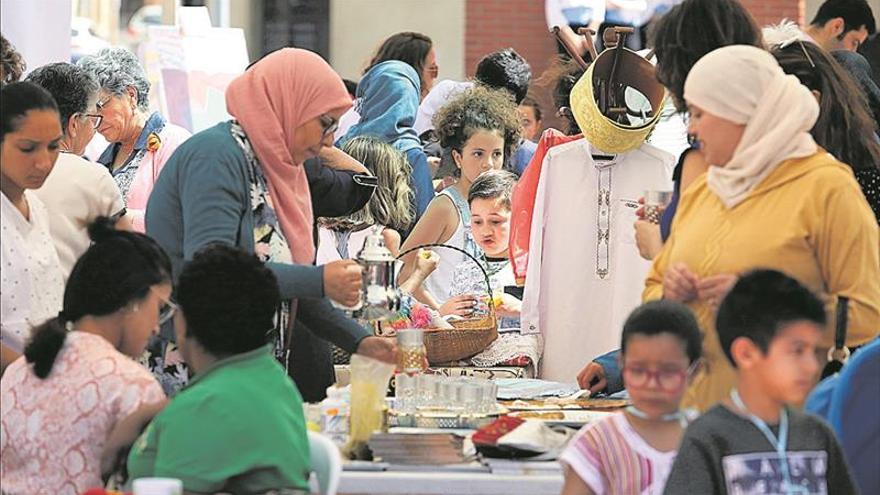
(238,426)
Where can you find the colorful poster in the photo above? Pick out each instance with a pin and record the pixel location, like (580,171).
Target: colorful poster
(191,70)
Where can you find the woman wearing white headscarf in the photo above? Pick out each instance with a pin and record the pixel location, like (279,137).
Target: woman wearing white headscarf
(772,198)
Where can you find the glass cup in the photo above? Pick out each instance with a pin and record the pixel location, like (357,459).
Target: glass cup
(412,356)
(426,394)
(405,397)
(450,391)
(471,397)
(489,392)
(655,202)
(157,486)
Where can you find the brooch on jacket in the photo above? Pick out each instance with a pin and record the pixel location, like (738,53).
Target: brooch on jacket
(153,142)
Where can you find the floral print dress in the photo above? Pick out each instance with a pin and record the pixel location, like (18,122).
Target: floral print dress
(270,245)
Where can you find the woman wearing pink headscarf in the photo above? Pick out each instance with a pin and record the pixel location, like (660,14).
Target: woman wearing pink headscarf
(242,183)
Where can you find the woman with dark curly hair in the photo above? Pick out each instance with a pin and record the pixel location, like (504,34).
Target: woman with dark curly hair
(239,426)
(480,128)
(79,379)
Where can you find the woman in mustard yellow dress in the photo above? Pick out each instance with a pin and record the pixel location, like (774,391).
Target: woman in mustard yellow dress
(771,198)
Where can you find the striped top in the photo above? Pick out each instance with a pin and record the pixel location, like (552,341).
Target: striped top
(611,458)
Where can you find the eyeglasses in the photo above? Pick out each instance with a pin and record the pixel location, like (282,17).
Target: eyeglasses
(667,380)
(434,71)
(330,125)
(167,310)
(94,118)
(101,104)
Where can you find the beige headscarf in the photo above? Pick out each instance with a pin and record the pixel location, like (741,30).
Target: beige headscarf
(745,85)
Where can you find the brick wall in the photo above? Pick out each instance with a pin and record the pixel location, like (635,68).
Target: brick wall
(773,11)
(494,24)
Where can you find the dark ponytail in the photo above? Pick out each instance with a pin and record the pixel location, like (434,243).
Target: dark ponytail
(117,269)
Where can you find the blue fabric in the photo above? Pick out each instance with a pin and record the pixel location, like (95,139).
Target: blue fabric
(610,362)
(154,124)
(423,188)
(389,100)
(522,156)
(850,401)
(669,212)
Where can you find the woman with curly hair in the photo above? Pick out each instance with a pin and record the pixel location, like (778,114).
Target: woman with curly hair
(480,129)
(11,64)
(141,142)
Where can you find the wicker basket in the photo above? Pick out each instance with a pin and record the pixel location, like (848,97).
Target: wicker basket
(468,337)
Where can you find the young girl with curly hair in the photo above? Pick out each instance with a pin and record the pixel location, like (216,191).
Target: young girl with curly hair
(480,129)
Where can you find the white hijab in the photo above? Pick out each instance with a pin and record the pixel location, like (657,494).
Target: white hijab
(745,85)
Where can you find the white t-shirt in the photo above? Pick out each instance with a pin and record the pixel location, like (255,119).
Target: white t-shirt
(31,288)
(75,194)
(442,92)
(585,274)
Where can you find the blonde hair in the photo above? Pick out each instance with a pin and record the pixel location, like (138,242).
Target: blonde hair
(392,202)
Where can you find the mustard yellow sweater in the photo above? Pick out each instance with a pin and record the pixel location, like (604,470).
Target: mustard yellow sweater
(809,219)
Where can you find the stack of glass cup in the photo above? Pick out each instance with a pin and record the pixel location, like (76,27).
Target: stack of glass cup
(462,395)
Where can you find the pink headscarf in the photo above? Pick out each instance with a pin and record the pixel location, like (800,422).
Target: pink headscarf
(284,90)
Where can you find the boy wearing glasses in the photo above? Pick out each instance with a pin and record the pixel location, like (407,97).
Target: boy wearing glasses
(754,442)
(633,451)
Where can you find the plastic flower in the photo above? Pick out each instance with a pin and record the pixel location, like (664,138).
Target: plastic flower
(420,316)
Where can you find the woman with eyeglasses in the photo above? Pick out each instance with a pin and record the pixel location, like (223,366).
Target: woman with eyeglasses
(79,377)
(242,183)
(31,276)
(77,191)
(141,142)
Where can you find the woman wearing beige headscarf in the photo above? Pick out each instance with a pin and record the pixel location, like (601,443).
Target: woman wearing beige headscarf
(772,199)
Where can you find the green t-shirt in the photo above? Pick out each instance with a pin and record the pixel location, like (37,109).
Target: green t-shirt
(238,426)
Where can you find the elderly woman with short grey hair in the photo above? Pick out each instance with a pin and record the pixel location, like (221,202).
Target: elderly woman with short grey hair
(140,141)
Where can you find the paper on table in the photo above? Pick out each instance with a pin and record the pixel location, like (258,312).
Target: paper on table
(532,388)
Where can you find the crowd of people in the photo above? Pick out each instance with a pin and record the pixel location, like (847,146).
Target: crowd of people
(183,290)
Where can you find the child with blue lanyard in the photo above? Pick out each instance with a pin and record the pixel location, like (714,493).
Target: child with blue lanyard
(755,442)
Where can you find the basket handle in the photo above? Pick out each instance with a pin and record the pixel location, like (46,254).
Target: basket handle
(462,251)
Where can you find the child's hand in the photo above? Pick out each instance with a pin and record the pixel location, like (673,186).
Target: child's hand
(592,378)
(427,261)
(509,307)
(680,283)
(462,305)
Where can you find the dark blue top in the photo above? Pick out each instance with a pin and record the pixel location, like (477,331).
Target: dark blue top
(522,156)
(669,213)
